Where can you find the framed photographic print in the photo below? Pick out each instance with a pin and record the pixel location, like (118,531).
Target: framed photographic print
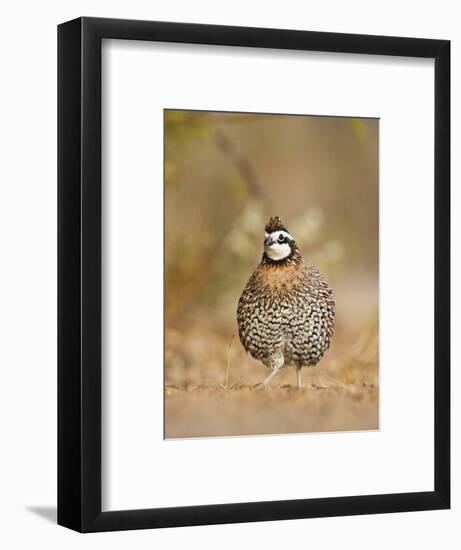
(254,274)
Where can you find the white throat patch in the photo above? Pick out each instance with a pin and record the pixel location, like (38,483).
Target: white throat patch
(278,251)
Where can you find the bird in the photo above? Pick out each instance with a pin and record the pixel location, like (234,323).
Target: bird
(286,312)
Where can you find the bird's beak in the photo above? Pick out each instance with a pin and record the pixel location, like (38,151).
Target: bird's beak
(269,242)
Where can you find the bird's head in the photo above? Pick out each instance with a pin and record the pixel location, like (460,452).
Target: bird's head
(279,246)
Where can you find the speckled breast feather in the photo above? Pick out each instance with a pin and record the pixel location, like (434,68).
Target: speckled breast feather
(286,314)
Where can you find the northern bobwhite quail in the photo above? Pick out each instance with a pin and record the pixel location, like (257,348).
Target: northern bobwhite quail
(286,312)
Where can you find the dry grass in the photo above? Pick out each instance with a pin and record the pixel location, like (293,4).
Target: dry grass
(210,385)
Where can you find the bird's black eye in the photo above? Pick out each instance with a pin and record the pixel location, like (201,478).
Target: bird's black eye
(281,239)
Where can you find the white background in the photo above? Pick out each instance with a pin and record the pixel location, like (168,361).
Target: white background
(28,275)
(140,79)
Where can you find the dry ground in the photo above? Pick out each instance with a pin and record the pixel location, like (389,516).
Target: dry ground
(210,385)
(244,410)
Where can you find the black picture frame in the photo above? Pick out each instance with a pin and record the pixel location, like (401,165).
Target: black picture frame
(79,274)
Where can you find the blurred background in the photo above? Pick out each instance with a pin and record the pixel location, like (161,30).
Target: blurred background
(225,175)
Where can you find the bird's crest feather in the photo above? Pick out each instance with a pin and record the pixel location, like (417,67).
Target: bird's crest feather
(275,224)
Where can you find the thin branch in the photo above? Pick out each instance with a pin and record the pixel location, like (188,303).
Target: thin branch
(241,162)
(226,384)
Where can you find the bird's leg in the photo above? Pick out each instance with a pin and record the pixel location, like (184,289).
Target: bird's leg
(269,378)
(299,377)
(275,363)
